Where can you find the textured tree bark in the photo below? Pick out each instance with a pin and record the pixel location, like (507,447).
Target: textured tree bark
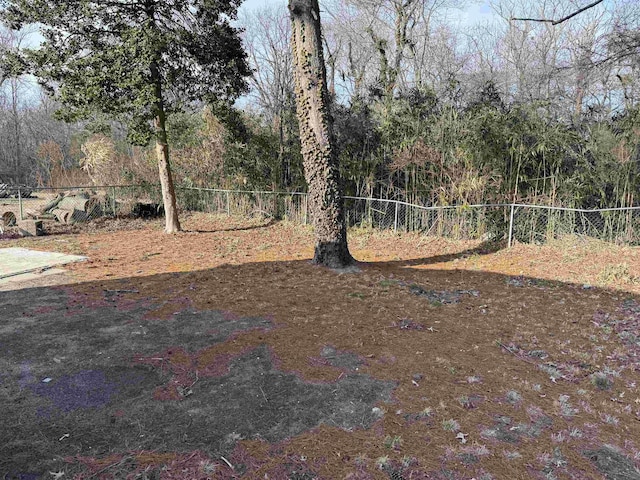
(172,225)
(320,161)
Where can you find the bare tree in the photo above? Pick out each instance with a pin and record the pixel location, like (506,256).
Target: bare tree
(15,93)
(603,46)
(562,19)
(267,42)
(391,46)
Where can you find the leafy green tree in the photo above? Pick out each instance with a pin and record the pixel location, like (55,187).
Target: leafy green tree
(138,60)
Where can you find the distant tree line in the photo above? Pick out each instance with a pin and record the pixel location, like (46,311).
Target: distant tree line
(426,109)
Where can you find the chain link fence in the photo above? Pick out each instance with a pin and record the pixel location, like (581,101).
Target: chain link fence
(539,224)
(459,222)
(290,206)
(512,222)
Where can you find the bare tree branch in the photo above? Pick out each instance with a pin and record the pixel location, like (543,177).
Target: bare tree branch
(563,19)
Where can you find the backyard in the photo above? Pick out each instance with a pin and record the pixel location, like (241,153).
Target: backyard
(222,352)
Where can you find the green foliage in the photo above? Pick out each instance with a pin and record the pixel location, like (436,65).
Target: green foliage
(427,149)
(132,59)
(183,129)
(256,156)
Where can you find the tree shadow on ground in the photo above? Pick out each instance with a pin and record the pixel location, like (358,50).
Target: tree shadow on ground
(485,248)
(267,224)
(304,362)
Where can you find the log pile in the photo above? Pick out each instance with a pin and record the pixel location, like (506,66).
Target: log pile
(8,219)
(73,207)
(70,208)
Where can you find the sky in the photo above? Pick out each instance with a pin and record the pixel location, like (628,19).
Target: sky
(476,12)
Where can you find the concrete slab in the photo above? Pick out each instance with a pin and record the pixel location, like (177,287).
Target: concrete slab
(32,277)
(17,261)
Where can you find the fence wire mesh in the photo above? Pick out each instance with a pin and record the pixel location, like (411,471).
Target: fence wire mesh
(276,205)
(461,222)
(537,224)
(522,223)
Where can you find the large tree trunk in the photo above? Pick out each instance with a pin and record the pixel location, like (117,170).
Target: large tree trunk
(319,158)
(172,225)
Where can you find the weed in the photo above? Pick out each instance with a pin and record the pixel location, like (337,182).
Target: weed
(584,356)
(382,462)
(356,295)
(388,283)
(611,371)
(550,369)
(393,442)
(361,460)
(575,433)
(566,409)
(450,425)
(602,381)
(610,419)
(409,461)
(551,462)
(426,412)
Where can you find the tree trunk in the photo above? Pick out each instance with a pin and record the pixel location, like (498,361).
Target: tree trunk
(318,147)
(19,175)
(172,225)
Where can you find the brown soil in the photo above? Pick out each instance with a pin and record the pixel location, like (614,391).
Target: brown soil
(222,352)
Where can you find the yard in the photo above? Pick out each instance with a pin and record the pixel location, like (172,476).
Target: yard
(222,352)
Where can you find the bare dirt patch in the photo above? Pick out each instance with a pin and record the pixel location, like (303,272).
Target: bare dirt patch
(222,352)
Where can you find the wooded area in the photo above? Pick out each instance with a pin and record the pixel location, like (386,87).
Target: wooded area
(426,108)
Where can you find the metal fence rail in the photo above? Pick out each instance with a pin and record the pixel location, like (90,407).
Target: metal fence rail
(513,222)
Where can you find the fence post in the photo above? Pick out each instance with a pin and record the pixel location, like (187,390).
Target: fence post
(395,220)
(306,207)
(113,201)
(511,225)
(20,204)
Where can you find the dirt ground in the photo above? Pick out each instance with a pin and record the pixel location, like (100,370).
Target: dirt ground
(222,353)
